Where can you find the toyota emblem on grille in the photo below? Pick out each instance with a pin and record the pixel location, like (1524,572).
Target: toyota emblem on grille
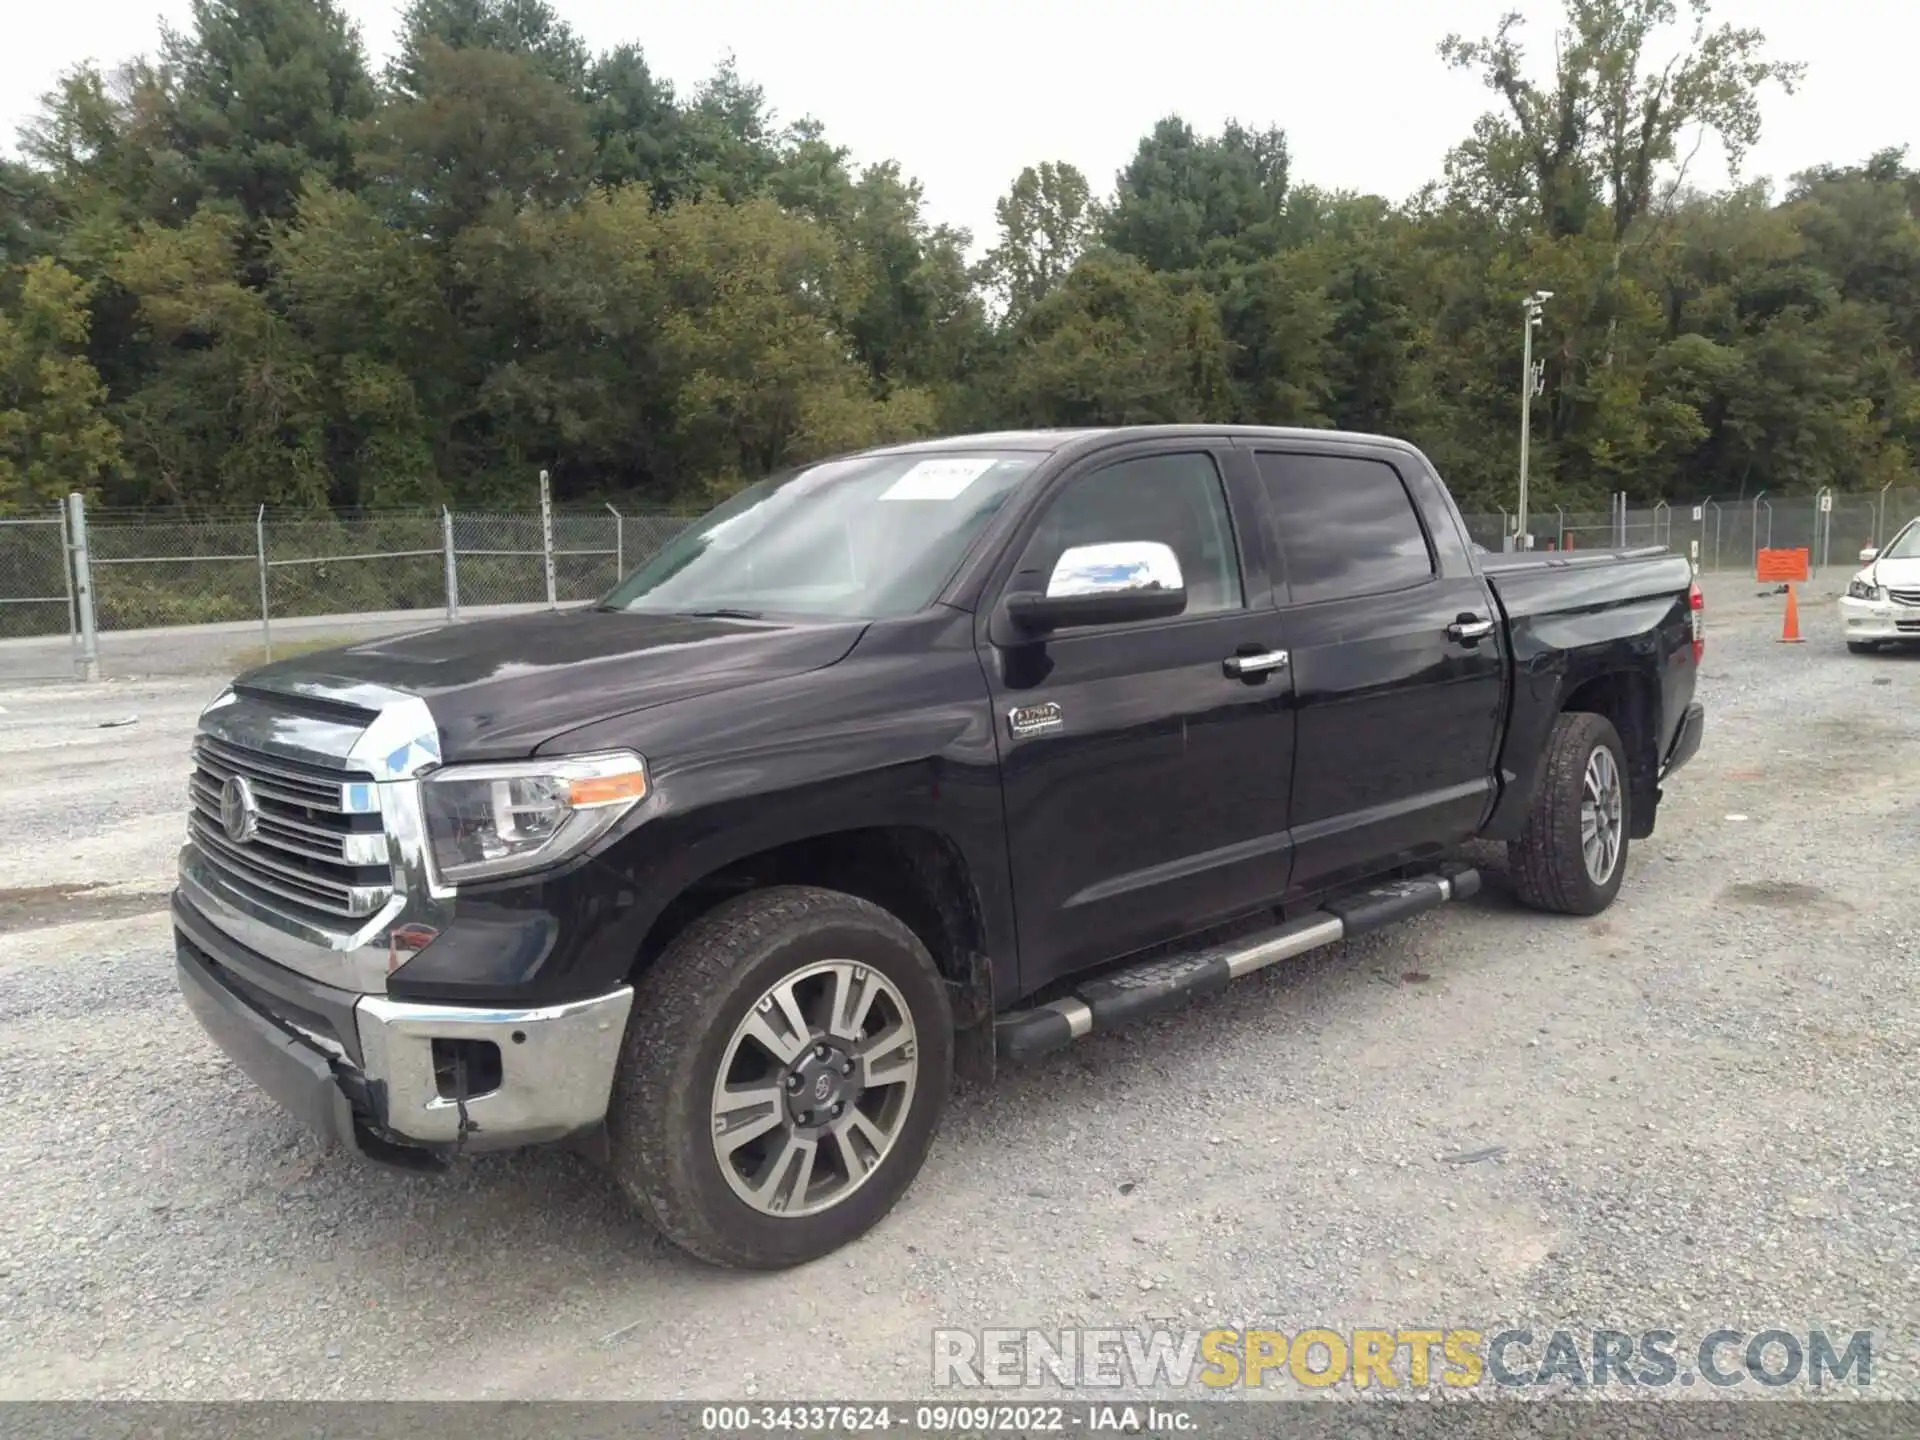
(239,811)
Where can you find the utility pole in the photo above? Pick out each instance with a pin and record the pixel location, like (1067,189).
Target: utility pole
(1532,382)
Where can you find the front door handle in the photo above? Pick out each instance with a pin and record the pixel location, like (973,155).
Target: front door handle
(1244,667)
(1469,628)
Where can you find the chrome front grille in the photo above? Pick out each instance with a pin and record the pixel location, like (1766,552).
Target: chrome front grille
(1905,597)
(317,853)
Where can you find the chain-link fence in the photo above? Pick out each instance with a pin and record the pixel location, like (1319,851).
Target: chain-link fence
(1561,529)
(149,573)
(213,569)
(267,566)
(66,568)
(36,591)
(1722,534)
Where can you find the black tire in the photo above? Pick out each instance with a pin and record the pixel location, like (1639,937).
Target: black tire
(1548,864)
(685,1011)
(1863,647)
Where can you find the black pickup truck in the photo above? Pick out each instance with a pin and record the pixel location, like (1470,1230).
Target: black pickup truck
(892,766)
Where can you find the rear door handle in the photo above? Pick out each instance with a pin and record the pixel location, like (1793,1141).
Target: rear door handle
(1242,667)
(1469,628)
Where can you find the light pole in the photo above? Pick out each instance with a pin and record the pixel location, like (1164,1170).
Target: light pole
(1532,382)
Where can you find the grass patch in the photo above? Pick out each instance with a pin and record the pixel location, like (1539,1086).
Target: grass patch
(285,649)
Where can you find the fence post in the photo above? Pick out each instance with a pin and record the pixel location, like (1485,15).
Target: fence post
(1820,543)
(546,536)
(619,545)
(1880,517)
(66,577)
(453,568)
(260,549)
(80,582)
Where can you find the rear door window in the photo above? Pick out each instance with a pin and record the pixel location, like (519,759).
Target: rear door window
(1345,524)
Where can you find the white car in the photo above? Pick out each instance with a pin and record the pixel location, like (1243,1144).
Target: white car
(1882,603)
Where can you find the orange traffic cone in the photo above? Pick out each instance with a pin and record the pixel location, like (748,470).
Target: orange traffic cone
(1790,633)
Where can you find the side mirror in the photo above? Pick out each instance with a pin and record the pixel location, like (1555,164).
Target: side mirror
(1112,584)
(1869,555)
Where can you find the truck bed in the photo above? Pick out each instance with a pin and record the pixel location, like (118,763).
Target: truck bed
(1556,586)
(1520,560)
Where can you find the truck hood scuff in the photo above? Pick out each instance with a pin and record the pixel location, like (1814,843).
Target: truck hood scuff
(498,689)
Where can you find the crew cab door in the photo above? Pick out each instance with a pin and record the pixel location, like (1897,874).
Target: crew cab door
(1145,780)
(1398,660)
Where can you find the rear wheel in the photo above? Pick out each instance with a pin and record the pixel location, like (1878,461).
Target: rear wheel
(1573,853)
(786,1066)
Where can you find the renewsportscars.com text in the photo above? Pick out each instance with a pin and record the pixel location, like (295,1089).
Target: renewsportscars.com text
(1318,1359)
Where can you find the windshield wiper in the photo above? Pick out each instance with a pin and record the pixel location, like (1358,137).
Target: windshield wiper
(724,613)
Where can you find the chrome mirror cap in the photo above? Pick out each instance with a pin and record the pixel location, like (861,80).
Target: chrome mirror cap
(1118,568)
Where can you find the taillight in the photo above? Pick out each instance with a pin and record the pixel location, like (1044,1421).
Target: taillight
(1698,604)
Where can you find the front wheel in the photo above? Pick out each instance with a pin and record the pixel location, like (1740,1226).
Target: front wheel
(1573,853)
(785,1069)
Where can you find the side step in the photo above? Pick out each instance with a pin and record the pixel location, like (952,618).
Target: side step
(1166,982)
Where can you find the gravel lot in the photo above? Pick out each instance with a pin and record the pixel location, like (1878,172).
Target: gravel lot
(1694,1111)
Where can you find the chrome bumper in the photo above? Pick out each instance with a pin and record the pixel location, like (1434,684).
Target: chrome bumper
(303,1008)
(363,1068)
(556,1068)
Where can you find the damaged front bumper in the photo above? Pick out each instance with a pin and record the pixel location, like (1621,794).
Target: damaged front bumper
(1868,621)
(402,1082)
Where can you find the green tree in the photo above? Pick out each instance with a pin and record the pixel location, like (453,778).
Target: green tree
(730,144)
(105,144)
(367,301)
(230,410)
(912,315)
(1117,344)
(1185,200)
(1044,220)
(266,93)
(487,132)
(763,377)
(529,28)
(1589,144)
(636,126)
(1861,225)
(29,213)
(55,437)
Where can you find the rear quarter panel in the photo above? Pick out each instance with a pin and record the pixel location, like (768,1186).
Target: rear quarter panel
(1572,621)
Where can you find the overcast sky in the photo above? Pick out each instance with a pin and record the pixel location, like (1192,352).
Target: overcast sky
(965,94)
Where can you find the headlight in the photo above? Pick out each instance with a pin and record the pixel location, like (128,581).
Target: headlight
(488,820)
(1862,590)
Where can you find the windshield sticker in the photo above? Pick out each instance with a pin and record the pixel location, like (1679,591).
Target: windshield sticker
(937,479)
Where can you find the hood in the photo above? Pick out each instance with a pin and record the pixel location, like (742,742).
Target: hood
(1894,574)
(498,689)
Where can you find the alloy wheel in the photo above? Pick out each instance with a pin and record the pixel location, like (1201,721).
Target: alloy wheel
(1602,808)
(814,1088)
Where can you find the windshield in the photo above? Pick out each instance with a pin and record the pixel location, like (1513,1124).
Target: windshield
(865,538)
(1905,545)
